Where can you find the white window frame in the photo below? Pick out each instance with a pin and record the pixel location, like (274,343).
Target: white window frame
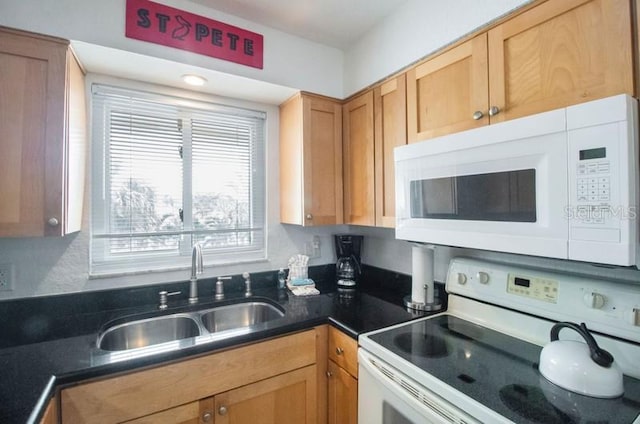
(104,264)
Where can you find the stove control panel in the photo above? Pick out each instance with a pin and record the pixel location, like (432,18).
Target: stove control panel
(537,288)
(605,306)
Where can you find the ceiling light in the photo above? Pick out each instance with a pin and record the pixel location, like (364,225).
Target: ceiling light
(194,79)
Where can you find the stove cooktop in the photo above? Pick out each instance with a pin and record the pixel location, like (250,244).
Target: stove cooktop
(500,372)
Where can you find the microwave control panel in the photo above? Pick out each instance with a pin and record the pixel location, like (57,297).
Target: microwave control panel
(602,139)
(593,186)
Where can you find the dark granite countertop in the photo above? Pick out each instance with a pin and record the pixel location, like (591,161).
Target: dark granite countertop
(53,342)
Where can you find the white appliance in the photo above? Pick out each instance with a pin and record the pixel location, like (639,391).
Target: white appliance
(561,184)
(478,361)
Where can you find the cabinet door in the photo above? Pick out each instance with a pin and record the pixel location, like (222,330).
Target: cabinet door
(32,114)
(199,412)
(343,396)
(449,93)
(311,161)
(285,399)
(322,128)
(390,109)
(358,154)
(560,53)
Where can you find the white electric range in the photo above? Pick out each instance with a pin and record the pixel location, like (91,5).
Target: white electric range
(478,361)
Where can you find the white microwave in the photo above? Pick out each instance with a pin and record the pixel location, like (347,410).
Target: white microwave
(559,184)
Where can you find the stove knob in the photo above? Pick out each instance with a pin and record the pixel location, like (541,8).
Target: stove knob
(483,277)
(594,300)
(461,278)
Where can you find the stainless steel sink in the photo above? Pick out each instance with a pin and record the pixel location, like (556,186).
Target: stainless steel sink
(239,315)
(147,332)
(170,328)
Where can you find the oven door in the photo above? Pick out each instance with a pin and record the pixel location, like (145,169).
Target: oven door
(502,188)
(386,396)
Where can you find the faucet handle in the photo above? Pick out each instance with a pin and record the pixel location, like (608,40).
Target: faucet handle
(163,298)
(247,283)
(220,287)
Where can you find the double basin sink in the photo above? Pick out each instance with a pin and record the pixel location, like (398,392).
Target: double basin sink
(169,328)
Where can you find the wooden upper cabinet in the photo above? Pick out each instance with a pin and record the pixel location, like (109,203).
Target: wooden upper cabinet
(42,136)
(445,92)
(358,154)
(560,53)
(390,131)
(311,161)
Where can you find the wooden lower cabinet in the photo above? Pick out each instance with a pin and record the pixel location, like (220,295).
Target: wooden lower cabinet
(342,373)
(275,381)
(50,415)
(199,412)
(343,396)
(285,399)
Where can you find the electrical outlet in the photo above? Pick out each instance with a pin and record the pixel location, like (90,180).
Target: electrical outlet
(6,277)
(312,248)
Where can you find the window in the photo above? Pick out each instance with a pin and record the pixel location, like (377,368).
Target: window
(168,173)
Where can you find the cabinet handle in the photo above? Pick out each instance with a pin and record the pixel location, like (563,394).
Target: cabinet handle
(206,417)
(222,410)
(53,222)
(477,115)
(329,374)
(494,110)
(339,351)
(309,216)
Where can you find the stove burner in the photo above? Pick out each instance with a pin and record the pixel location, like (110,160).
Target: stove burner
(531,403)
(421,344)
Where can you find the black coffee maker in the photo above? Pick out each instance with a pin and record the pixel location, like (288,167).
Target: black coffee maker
(348,265)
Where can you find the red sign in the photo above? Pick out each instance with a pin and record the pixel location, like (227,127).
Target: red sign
(160,24)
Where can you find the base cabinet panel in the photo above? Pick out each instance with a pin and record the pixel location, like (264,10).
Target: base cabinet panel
(343,396)
(286,399)
(144,393)
(199,412)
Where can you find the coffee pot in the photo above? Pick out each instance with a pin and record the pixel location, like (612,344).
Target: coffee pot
(348,265)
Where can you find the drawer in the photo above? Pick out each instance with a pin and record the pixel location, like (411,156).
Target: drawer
(343,350)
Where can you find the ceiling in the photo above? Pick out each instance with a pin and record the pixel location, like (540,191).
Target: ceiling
(336,23)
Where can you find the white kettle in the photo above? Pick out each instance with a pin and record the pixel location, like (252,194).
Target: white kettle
(582,368)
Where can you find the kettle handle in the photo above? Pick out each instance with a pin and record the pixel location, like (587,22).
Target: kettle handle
(598,355)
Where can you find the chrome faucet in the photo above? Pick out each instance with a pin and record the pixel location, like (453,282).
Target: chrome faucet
(196,269)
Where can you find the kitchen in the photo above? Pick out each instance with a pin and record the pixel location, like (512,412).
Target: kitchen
(62,263)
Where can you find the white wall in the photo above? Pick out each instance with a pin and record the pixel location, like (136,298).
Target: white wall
(61,265)
(288,60)
(417,28)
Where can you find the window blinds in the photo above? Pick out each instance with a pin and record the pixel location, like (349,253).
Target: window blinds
(169,173)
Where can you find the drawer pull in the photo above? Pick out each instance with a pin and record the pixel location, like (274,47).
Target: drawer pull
(222,410)
(206,417)
(329,374)
(339,351)
(477,115)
